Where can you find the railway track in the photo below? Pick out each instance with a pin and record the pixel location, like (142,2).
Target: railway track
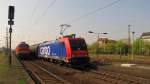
(54,74)
(119,78)
(41,75)
(110,77)
(74,76)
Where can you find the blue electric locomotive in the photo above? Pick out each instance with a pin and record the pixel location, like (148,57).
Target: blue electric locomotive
(65,50)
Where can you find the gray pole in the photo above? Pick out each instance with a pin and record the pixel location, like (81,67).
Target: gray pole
(97,45)
(133,46)
(10,32)
(7,40)
(129,34)
(129,39)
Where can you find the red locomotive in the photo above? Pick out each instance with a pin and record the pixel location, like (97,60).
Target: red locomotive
(23,51)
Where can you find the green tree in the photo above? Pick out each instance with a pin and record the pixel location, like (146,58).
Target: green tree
(92,48)
(141,47)
(110,48)
(138,46)
(121,47)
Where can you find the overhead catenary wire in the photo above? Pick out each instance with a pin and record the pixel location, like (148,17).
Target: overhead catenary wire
(34,9)
(35,21)
(93,12)
(45,11)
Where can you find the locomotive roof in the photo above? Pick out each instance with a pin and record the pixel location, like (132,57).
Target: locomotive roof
(23,44)
(48,42)
(57,40)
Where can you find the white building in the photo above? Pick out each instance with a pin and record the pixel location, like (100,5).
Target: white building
(146,36)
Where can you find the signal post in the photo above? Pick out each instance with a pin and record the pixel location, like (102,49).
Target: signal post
(11,11)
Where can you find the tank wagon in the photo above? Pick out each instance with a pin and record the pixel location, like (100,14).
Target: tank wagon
(23,51)
(68,49)
(34,51)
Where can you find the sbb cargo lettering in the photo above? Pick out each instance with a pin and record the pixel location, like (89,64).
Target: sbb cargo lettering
(45,50)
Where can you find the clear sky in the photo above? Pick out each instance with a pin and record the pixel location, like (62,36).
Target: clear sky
(38,20)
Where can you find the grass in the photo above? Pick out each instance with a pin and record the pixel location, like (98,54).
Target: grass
(118,58)
(13,74)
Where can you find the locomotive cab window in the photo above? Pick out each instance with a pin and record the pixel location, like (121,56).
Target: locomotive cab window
(23,46)
(78,44)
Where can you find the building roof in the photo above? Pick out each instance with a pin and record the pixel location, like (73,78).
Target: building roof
(106,40)
(146,34)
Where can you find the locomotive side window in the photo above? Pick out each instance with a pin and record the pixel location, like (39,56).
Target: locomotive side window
(78,44)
